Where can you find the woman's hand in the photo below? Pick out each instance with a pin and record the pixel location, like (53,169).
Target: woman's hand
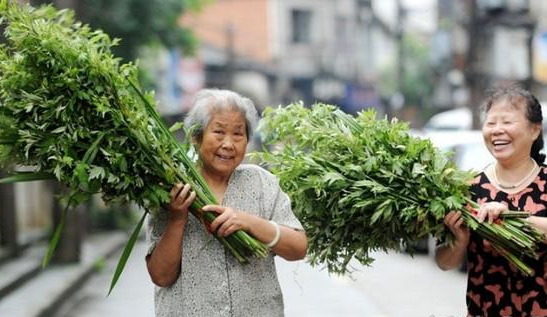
(450,257)
(490,210)
(228,220)
(181,200)
(454,221)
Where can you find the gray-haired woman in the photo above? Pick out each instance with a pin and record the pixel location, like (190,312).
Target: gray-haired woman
(194,275)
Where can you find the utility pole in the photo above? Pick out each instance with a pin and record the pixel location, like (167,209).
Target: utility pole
(473,76)
(69,248)
(400,45)
(8,218)
(230,55)
(398,100)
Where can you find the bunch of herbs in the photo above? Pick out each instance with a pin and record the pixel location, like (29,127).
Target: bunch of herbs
(359,184)
(70,109)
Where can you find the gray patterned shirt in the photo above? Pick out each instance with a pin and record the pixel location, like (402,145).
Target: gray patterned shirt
(211,281)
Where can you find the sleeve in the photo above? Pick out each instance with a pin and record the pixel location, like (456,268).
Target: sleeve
(278,203)
(282,212)
(155,226)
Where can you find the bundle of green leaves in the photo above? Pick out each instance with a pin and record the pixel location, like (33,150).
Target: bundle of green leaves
(360,184)
(71,110)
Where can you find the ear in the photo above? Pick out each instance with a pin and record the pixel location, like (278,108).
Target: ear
(536,130)
(196,142)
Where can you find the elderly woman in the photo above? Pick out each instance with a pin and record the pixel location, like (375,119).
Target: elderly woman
(194,274)
(513,134)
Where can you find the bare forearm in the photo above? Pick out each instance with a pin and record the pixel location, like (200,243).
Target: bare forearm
(450,257)
(164,262)
(292,244)
(539,223)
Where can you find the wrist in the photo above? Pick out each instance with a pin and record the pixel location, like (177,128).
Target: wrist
(275,240)
(177,219)
(461,243)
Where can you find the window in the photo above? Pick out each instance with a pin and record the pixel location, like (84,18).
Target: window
(301,26)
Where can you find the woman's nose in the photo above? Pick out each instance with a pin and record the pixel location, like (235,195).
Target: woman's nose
(227,142)
(498,128)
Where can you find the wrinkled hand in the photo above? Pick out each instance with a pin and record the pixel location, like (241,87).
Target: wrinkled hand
(490,211)
(181,200)
(228,220)
(454,221)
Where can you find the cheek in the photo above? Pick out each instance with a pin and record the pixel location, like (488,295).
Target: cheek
(486,135)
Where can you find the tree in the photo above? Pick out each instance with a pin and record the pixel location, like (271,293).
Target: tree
(417,79)
(137,22)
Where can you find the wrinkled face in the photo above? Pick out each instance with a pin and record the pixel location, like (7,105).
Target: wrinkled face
(223,144)
(507,133)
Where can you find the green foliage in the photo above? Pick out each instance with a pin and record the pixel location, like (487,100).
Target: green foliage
(76,114)
(417,82)
(360,184)
(140,22)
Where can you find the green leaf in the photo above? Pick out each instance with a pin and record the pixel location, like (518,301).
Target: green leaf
(56,236)
(96,172)
(90,154)
(59,130)
(176,126)
(126,253)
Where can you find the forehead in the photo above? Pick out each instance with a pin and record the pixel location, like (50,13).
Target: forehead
(227,118)
(507,106)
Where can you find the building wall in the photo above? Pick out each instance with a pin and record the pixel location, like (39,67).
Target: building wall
(331,47)
(249,20)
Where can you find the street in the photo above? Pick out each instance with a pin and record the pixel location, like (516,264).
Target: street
(396,285)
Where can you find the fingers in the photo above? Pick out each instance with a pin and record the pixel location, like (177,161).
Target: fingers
(226,229)
(227,222)
(181,197)
(490,211)
(175,190)
(188,202)
(219,220)
(214,208)
(458,224)
(452,218)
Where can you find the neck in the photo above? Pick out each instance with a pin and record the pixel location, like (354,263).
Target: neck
(514,173)
(213,179)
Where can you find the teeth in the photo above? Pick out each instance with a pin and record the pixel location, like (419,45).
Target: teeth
(500,142)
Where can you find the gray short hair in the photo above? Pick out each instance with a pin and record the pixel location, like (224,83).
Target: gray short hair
(208,101)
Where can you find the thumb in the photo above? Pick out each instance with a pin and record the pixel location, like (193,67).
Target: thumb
(215,208)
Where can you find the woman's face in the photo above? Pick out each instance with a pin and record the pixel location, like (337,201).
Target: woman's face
(223,143)
(508,134)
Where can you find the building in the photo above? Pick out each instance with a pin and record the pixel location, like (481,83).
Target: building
(279,51)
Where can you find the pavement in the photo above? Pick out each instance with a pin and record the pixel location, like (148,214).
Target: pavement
(395,285)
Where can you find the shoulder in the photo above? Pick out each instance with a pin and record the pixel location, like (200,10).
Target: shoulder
(252,170)
(255,176)
(478,179)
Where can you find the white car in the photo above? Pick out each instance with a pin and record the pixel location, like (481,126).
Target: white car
(467,146)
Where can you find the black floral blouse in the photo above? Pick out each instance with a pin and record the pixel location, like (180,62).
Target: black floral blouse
(494,286)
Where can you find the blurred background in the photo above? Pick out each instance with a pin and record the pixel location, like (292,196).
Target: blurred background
(426,62)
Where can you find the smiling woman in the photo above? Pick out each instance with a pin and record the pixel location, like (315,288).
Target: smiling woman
(512,133)
(194,282)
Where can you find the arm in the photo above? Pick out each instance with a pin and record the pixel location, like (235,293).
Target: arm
(163,263)
(539,223)
(493,210)
(292,244)
(450,257)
